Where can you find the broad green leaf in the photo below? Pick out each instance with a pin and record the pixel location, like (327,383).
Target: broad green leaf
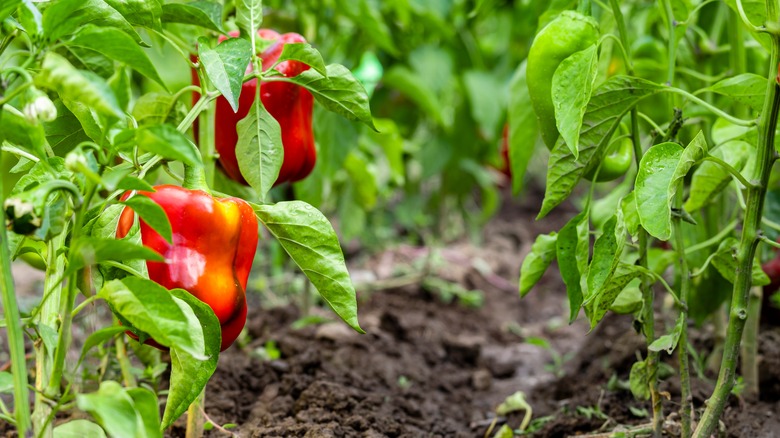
(90,250)
(693,153)
(630,213)
(309,239)
(64,18)
(116,45)
(249,17)
(487,95)
(537,261)
(87,117)
(145,402)
(152,214)
(572,85)
(144,13)
(725,262)
(523,128)
(411,85)
(339,92)
(748,89)
(709,179)
(7,7)
(259,150)
(669,341)
(628,301)
(610,102)
(79,429)
(601,302)
(304,53)
(132,183)
(30,17)
(104,226)
(206,14)
(153,108)
(225,66)
(64,132)
(567,248)
(77,85)
(653,203)
(114,409)
(756,13)
(168,142)
(122,87)
(188,374)
(152,309)
(639,381)
(607,252)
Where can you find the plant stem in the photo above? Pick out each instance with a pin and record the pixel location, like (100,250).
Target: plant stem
(584,7)
(48,315)
(124,362)
(14,328)
(195,417)
(749,349)
(682,346)
(747,248)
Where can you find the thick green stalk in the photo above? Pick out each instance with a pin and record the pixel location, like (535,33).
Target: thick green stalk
(206,129)
(682,346)
(749,348)
(14,328)
(738,312)
(49,316)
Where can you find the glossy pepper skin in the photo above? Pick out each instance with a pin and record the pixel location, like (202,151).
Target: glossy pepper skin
(615,163)
(214,243)
(290,104)
(567,34)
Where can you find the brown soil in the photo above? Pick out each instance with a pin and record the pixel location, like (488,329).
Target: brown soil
(430,368)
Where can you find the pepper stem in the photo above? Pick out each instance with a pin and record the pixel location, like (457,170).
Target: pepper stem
(195,178)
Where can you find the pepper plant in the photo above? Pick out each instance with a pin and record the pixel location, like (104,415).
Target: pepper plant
(694,86)
(86,141)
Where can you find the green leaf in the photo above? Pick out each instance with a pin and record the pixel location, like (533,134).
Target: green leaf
(188,374)
(628,301)
(114,409)
(598,304)
(206,14)
(607,252)
(367,16)
(7,7)
(653,204)
(152,309)
(339,92)
(669,341)
(523,128)
(87,117)
(363,177)
(567,248)
(537,261)
(171,144)
(309,239)
(611,101)
(487,95)
(249,17)
(6,382)
(225,66)
(132,183)
(65,17)
(79,429)
(90,250)
(152,214)
(77,85)
(411,84)
(116,45)
(748,89)
(64,132)
(259,150)
(153,108)
(725,261)
(709,179)
(639,381)
(30,17)
(17,130)
(145,402)
(572,85)
(304,53)
(145,13)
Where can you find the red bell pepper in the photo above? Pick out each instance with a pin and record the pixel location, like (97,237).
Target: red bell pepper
(211,254)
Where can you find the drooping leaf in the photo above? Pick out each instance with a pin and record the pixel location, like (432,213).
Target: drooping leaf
(206,14)
(652,188)
(607,252)
(537,261)
(225,66)
(114,409)
(145,13)
(748,89)
(572,85)
(610,102)
(165,140)
(189,375)
(152,214)
(90,250)
(64,18)
(669,341)
(259,150)
(249,17)
(311,242)
(304,53)
(79,429)
(567,253)
(601,302)
(523,128)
